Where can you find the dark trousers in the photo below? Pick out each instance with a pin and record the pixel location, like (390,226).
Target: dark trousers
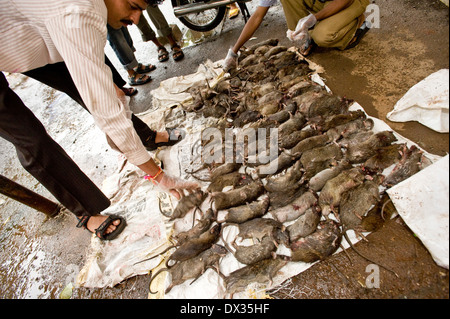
(41,156)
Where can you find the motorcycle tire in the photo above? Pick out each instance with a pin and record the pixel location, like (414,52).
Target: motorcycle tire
(212,23)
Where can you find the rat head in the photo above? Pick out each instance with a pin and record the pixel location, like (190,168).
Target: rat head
(125,12)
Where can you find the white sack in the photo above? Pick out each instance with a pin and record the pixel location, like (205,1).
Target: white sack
(426,102)
(422,201)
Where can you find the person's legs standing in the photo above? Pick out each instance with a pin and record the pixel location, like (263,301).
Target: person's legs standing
(43,158)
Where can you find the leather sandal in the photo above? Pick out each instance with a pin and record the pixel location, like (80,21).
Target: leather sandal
(100,232)
(142,69)
(177,52)
(138,79)
(163,55)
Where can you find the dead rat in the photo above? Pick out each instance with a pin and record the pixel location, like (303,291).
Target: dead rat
(192,247)
(353,139)
(296,70)
(248,116)
(281,199)
(260,272)
(288,157)
(274,51)
(362,151)
(192,268)
(319,245)
(248,255)
(234,179)
(224,169)
(320,158)
(305,225)
(355,204)
(330,196)
(290,178)
(319,180)
(302,87)
(262,50)
(378,215)
(324,124)
(269,42)
(295,123)
(384,157)
(288,81)
(296,137)
(327,105)
(187,203)
(238,197)
(241,214)
(279,117)
(268,108)
(261,90)
(295,209)
(345,130)
(202,226)
(258,228)
(266,234)
(284,59)
(410,163)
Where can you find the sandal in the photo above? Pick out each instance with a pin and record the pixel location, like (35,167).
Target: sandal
(233,13)
(141,69)
(163,55)
(129,91)
(174,138)
(100,232)
(177,54)
(360,33)
(138,79)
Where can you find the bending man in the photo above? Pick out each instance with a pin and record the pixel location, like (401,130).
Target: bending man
(61,43)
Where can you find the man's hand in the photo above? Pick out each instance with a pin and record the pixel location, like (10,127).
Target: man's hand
(174,185)
(305,24)
(230,61)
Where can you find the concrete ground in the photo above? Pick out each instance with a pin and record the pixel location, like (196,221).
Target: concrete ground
(411,43)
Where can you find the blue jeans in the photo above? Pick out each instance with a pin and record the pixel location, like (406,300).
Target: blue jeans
(122,44)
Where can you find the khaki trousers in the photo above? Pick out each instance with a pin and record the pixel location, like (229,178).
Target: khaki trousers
(334,32)
(158,20)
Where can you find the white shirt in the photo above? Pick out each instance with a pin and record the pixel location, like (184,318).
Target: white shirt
(267,3)
(35,33)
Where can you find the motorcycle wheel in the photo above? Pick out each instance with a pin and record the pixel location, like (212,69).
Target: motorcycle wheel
(203,21)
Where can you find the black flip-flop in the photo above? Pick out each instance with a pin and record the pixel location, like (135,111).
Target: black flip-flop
(100,232)
(173,139)
(360,33)
(129,91)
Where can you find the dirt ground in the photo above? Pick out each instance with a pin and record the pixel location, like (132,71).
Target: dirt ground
(411,43)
